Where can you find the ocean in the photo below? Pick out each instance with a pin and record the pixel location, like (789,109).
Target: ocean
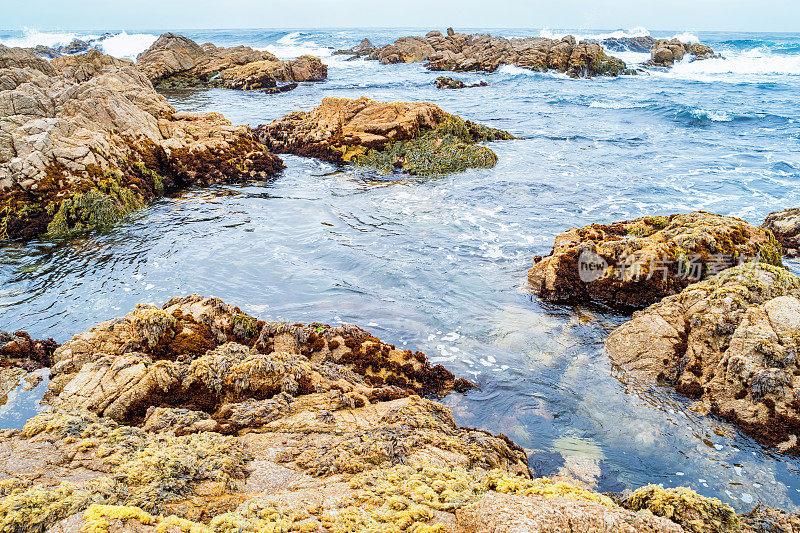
(438,265)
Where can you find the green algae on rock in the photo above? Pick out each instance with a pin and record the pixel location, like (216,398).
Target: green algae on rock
(637,262)
(113,145)
(731,343)
(417,138)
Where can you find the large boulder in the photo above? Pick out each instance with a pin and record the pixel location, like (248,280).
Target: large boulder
(87,139)
(364,48)
(628,44)
(637,262)
(731,342)
(667,52)
(416,137)
(175,61)
(785,225)
(197,417)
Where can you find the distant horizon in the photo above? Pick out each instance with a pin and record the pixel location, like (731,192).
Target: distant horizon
(767,16)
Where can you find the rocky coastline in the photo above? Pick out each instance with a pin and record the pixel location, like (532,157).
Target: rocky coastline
(194,416)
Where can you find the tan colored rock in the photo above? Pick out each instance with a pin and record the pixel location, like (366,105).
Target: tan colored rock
(638,262)
(731,342)
(177,61)
(507,513)
(667,52)
(785,225)
(82,146)
(369,132)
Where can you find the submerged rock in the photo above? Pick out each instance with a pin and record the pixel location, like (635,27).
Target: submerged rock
(418,137)
(443,82)
(86,140)
(667,52)
(786,227)
(197,417)
(175,61)
(731,342)
(638,262)
(478,52)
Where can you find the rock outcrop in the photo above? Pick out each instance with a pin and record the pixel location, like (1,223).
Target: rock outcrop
(20,350)
(364,48)
(666,52)
(785,225)
(478,52)
(197,417)
(444,82)
(628,44)
(175,61)
(418,137)
(731,342)
(637,262)
(86,140)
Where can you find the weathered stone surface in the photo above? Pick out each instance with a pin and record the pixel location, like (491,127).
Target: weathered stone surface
(785,225)
(638,262)
(461,52)
(628,44)
(416,137)
(85,140)
(731,342)
(20,350)
(666,52)
(443,82)
(177,61)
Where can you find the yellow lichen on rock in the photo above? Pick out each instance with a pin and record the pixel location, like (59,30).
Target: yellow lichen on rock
(695,513)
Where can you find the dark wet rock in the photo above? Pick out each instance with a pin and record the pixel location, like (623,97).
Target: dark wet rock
(364,48)
(443,82)
(637,262)
(628,44)
(20,350)
(786,227)
(666,52)
(113,144)
(478,52)
(175,61)
(730,342)
(75,47)
(418,137)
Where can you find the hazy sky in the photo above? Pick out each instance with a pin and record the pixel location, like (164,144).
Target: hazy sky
(752,15)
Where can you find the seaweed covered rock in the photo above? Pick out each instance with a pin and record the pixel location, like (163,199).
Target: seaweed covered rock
(86,140)
(418,137)
(444,82)
(175,61)
(482,52)
(667,52)
(20,350)
(730,342)
(638,262)
(695,513)
(785,225)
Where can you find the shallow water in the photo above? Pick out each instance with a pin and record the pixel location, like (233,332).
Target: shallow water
(439,265)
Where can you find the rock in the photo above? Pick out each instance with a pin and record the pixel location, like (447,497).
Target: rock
(666,52)
(461,53)
(693,512)
(86,140)
(75,47)
(785,225)
(197,417)
(729,342)
(637,262)
(507,513)
(175,61)
(20,350)
(443,82)
(364,48)
(418,138)
(628,44)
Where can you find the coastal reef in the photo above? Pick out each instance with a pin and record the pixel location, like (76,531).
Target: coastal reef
(730,342)
(196,417)
(416,138)
(174,61)
(445,82)
(666,52)
(785,225)
(86,139)
(482,52)
(637,262)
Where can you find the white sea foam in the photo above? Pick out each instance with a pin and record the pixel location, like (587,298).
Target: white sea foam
(32,37)
(615,105)
(290,46)
(745,66)
(618,34)
(127,45)
(686,37)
